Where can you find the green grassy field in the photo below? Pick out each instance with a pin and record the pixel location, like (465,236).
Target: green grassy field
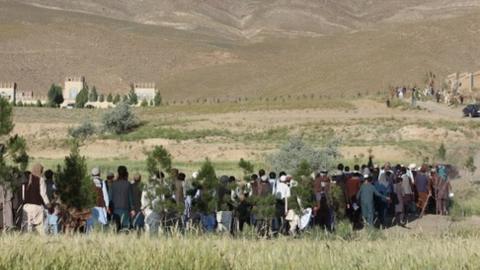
(459,250)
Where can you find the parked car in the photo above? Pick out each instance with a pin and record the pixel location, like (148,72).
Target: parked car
(472,110)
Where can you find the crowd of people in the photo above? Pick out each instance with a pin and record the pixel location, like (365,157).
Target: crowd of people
(368,195)
(414,94)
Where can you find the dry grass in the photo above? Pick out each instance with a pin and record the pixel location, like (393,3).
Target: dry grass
(453,251)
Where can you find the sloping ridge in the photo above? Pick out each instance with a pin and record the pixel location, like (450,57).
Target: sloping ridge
(248,18)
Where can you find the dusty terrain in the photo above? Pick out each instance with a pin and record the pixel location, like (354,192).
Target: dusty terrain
(365,126)
(328,48)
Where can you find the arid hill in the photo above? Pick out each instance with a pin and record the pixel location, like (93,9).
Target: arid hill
(237,48)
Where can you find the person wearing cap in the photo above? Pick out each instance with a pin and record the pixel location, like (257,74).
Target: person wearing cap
(102,201)
(366,197)
(138,221)
(121,197)
(34,194)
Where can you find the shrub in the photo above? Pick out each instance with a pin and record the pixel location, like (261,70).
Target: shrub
(132,97)
(144,103)
(120,119)
(158,159)
(93,95)
(296,151)
(247,168)
(116,99)
(13,155)
(72,181)
(85,130)
(157,101)
(55,96)
(82,98)
(208,181)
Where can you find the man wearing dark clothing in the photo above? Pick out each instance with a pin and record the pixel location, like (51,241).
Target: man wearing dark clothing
(138,221)
(121,197)
(50,184)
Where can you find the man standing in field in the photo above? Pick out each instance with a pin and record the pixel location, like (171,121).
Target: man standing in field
(34,197)
(366,198)
(121,194)
(102,201)
(138,220)
(422,186)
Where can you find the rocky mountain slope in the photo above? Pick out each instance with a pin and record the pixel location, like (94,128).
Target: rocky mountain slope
(237,48)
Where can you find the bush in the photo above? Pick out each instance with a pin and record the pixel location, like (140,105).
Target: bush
(158,159)
(120,119)
(295,151)
(85,130)
(73,182)
(208,181)
(82,98)
(55,96)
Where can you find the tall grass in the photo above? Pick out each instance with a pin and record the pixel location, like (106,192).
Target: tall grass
(220,252)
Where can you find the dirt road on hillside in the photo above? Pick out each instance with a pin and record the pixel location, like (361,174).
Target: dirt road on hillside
(441,109)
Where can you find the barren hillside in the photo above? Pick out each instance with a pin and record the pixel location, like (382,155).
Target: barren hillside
(236,48)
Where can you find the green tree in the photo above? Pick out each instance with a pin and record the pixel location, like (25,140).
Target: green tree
(158,159)
(302,194)
(157,100)
(110,97)
(247,168)
(39,103)
(82,98)
(6,122)
(144,103)
(116,99)
(73,182)
(55,96)
(13,155)
(93,95)
(125,99)
(101,98)
(120,119)
(208,181)
(132,97)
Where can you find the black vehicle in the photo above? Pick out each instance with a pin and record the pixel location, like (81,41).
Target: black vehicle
(472,110)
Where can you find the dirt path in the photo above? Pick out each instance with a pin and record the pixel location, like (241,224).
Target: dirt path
(441,109)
